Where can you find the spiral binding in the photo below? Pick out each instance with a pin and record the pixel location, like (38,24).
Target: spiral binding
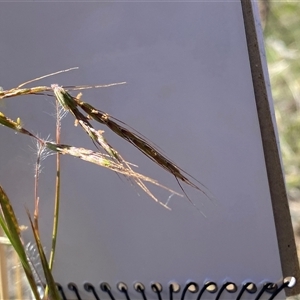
(156,289)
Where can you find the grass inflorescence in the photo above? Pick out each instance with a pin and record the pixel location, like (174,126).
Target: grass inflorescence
(105,156)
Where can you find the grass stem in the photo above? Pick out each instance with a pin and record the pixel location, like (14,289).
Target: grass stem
(57,191)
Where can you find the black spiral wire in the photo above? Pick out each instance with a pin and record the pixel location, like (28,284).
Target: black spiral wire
(156,290)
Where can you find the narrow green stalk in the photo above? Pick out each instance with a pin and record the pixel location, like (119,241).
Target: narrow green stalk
(51,291)
(57,192)
(36,185)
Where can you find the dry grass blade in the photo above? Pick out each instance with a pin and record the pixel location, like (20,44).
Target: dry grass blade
(18,91)
(68,103)
(41,90)
(15,125)
(48,75)
(24,91)
(86,87)
(106,162)
(141,144)
(94,157)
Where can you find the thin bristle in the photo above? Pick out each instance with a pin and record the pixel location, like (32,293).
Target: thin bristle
(45,76)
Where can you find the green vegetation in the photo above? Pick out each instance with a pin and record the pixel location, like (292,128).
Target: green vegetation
(282,41)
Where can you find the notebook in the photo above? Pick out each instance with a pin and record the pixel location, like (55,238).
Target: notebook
(197,87)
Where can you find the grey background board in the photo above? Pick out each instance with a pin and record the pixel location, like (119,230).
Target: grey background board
(189,90)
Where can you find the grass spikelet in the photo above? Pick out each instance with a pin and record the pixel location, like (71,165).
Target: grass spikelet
(106,162)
